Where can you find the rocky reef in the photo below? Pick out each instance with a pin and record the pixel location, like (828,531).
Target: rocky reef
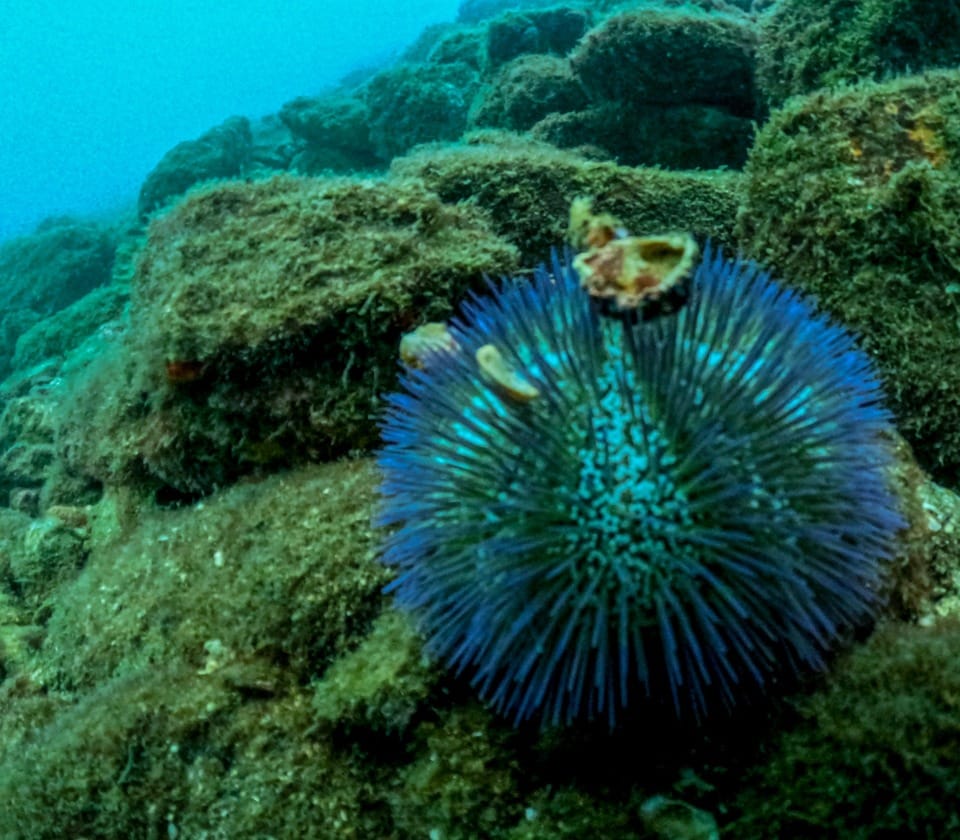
(853,193)
(194,635)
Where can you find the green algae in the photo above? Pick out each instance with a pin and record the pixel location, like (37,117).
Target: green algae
(280,572)
(263,326)
(379,685)
(874,753)
(852,195)
(411,104)
(174,648)
(526,188)
(670,56)
(804,46)
(525,91)
(57,335)
(44,272)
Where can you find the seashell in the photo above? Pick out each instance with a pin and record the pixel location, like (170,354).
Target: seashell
(636,269)
(426,340)
(498,371)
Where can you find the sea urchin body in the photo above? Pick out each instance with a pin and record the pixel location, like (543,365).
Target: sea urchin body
(685,508)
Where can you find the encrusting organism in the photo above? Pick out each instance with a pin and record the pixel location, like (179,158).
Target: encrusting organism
(590,511)
(644,276)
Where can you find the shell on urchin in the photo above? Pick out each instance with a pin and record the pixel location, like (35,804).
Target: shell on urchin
(689,508)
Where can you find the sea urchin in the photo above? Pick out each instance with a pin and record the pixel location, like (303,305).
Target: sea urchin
(683,509)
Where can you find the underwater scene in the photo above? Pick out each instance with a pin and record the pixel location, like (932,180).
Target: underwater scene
(551,430)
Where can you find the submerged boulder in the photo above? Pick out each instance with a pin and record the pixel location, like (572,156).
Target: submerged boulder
(855,196)
(222,152)
(805,46)
(44,272)
(264,325)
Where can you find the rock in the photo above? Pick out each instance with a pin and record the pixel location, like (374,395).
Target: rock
(223,152)
(264,326)
(673,57)
(526,90)
(854,196)
(805,46)
(554,30)
(416,104)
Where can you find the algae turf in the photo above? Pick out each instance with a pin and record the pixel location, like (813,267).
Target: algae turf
(263,326)
(177,666)
(526,188)
(278,572)
(670,56)
(805,45)
(56,265)
(853,195)
(227,670)
(874,754)
(411,104)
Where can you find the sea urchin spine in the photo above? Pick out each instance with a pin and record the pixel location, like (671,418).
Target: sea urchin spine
(686,508)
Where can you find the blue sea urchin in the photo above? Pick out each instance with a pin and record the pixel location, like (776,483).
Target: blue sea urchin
(683,509)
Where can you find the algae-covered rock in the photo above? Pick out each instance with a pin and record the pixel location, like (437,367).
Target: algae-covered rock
(874,754)
(279,573)
(658,86)
(671,57)
(53,553)
(526,90)
(380,685)
(167,752)
(54,266)
(25,464)
(337,121)
(64,330)
(669,85)
(14,526)
(111,765)
(527,187)
(461,44)
(335,132)
(46,271)
(464,783)
(32,475)
(555,30)
(273,144)
(935,533)
(28,417)
(685,137)
(19,640)
(924,577)
(411,104)
(170,691)
(27,454)
(805,45)
(855,197)
(222,152)
(264,327)
(20,633)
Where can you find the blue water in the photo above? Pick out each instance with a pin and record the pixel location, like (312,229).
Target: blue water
(95,91)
